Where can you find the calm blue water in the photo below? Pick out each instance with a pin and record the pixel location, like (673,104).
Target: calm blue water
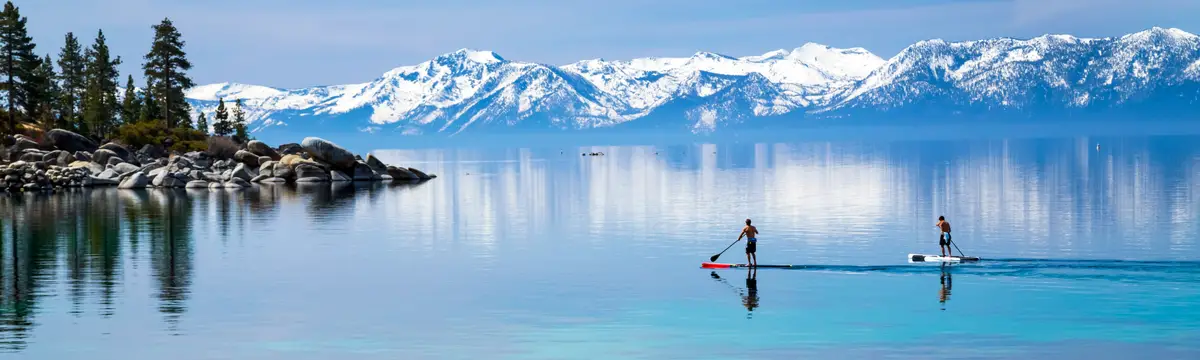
(532,253)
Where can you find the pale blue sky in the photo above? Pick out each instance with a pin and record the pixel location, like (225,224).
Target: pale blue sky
(297,43)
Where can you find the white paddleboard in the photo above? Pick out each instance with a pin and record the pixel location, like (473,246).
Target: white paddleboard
(936,258)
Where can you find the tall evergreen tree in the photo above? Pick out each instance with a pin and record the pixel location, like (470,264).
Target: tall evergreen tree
(71,65)
(239,122)
(149,109)
(16,54)
(166,65)
(202,123)
(100,97)
(43,91)
(130,105)
(221,125)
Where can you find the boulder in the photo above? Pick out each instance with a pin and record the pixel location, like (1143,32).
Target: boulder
(261,149)
(263,159)
(290,149)
(216,185)
(401,174)
(420,175)
(99,181)
(283,170)
(338,176)
(311,180)
(259,178)
(310,171)
(151,152)
(362,172)
(212,177)
(101,156)
(328,152)
(374,163)
(196,184)
(180,163)
(135,181)
(267,168)
(82,156)
(156,171)
(236,183)
(31,156)
(241,171)
(273,180)
(52,157)
(113,161)
(69,141)
(124,168)
(199,158)
(246,157)
(107,174)
(121,151)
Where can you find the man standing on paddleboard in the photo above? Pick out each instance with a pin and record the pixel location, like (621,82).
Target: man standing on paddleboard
(944,238)
(751,234)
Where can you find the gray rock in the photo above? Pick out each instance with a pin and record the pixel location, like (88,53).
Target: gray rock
(282,170)
(152,152)
(263,159)
(312,180)
(107,174)
(196,184)
(216,185)
(160,178)
(212,177)
(157,171)
(259,178)
(338,176)
(101,156)
(290,149)
(99,181)
(121,151)
(31,156)
(261,149)
(22,144)
(362,172)
(94,168)
(82,156)
(273,180)
(420,175)
(69,141)
(113,161)
(199,159)
(52,157)
(241,171)
(267,168)
(135,181)
(374,163)
(124,168)
(305,170)
(328,152)
(246,157)
(236,183)
(401,174)
(181,162)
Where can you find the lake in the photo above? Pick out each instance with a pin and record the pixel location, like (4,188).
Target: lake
(1089,246)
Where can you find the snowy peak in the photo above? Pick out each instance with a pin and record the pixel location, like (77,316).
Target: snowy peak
(231,91)
(477,56)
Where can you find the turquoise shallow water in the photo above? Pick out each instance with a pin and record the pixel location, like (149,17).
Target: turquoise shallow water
(543,253)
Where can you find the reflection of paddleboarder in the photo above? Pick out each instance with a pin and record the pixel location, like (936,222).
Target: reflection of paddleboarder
(944,293)
(750,300)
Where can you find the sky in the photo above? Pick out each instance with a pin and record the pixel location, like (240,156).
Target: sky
(301,43)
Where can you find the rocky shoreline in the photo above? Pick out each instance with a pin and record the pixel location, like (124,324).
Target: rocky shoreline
(68,160)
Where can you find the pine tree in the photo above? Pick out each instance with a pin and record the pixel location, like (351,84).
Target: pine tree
(100,99)
(239,122)
(150,110)
(71,65)
(44,92)
(221,126)
(130,105)
(16,54)
(202,123)
(166,64)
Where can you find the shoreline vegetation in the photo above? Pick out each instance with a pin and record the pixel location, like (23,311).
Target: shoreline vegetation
(54,119)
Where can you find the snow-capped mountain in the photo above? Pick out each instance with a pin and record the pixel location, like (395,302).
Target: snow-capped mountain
(480,91)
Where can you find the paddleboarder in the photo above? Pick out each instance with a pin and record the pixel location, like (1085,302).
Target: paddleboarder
(943,238)
(751,234)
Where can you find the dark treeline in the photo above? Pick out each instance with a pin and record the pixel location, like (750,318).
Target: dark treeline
(81,90)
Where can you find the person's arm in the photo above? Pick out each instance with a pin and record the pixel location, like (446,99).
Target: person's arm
(742,234)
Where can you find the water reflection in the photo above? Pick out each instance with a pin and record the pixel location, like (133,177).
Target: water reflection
(749,295)
(947,285)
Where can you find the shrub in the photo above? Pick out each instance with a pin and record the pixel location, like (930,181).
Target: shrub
(137,135)
(221,147)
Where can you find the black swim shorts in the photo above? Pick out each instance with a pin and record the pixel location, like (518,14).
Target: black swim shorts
(944,239)
(750,247)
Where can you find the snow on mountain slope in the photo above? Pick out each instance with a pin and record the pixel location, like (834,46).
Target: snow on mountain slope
(469,90)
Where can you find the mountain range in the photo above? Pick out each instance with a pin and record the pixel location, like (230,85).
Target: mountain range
(1155,72)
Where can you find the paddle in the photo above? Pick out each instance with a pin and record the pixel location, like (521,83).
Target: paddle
(960,253)
(714,257)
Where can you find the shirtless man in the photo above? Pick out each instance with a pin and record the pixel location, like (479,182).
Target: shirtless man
(944,237)
(751,234)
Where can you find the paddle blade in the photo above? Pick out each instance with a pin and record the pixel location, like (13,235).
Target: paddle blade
(714,257)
